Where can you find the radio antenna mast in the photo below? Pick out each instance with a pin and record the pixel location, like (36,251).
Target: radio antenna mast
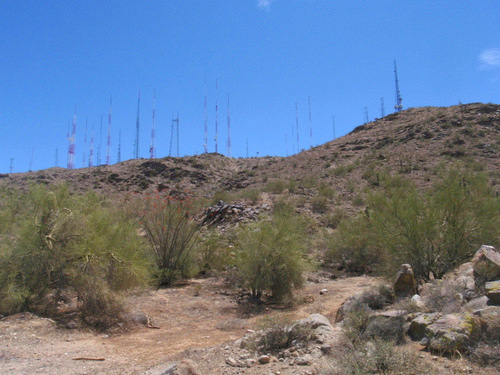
(136,144)
(205,139)
(297,125)
(152,151)
(108,155)
(228,129)
(399,106)
(216,116)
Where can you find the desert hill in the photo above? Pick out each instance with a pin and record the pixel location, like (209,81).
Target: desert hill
(413,142)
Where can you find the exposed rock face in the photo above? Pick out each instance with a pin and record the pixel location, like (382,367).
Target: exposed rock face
(486,263)
(452,333)
(405,285)
(492,289)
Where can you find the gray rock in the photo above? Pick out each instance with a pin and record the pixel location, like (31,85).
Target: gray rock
(405,285)
(420,323)
(489,318)
(232,362)
(493,291)
(304,360)
(315,321)
(170,370)
(486,264)
(250,362)
(476,304)
(452,333)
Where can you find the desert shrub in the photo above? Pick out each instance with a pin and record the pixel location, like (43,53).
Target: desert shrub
(270,254)
(279,331)
(64,240)
(171,233)
(387,329)
(326,191)
(352,248)
(275,186)
(358,200)
(356,321)
(319,204)
(437,230)
(252,195)
(292,186)
(214,253)
(334,218)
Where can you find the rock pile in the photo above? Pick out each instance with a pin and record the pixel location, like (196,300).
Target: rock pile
(231,213)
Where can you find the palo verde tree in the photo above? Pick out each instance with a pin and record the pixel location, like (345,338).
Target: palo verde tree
(171,232)
(270,255)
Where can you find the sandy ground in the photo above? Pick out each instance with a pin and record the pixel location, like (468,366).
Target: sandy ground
(199,321)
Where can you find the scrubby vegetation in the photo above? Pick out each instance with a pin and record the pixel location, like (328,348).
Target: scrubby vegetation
(69,247)
(434,230)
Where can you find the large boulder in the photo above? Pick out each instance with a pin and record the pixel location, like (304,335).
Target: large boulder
(405,285)
(492,289)
(489,318)
(486,264)
(452,333)
(420,323)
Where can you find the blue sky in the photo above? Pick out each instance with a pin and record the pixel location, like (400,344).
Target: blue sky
(267,55)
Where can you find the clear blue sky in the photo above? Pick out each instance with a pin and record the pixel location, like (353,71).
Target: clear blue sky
(267,55)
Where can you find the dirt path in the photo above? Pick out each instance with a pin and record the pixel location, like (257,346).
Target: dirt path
(33,345)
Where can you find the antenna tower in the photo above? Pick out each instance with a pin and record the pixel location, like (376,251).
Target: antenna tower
(108,154)
(100,143)
(366,114)
(310,123)
(119,156)
(174,130)
(216,116)
(399,106)
(382,108)
(205,139)
(152,151)
(11,166)
(91,152)
(137,127)
(85,143)
(228,129)
(297,125)
(71,149)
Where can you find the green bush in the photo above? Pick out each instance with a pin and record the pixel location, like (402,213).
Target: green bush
(280,331)
(214,252)
(319,204)
(171,233)
(64,245)
(437,230)
(275,186)
(270,254)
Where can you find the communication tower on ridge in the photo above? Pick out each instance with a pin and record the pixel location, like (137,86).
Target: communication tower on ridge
(108,154)
(174,130)
(152,151)
(91,152)
(399,101)
(71,148)
(216,116)
(137,128)
(205,139)
(228,129)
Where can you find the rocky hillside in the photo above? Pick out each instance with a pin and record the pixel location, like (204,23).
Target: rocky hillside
(414,143)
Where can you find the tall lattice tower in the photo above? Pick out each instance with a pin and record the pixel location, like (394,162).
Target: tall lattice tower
(108,153)
(152,151)
(91,151)
(174,134)
(216,139)
(399,101)
(71,148)
(137,128)
(228,129)
(205,139)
